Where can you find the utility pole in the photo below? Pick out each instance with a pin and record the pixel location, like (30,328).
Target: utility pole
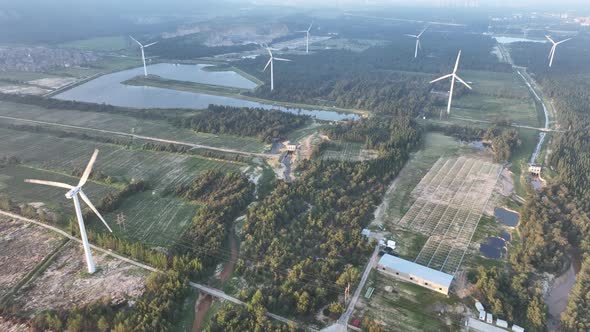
(347,293)
(121,221)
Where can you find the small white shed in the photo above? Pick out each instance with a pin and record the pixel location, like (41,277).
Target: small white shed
(479,306)
(391,244)
(501,323)
(482,315)
(517,328)
(489,318)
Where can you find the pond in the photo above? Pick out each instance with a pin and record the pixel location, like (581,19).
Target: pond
(108,89)
(494,247)
(506,217)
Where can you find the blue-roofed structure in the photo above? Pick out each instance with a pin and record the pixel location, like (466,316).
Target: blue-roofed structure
(415,273)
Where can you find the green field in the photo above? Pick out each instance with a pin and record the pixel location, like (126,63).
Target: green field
(495,96)
(346,151)
(106,65)
(107,44)
(152,216)
(408,307)
(126,124)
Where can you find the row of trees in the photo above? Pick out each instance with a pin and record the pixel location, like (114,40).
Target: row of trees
(266,125)
(223,198)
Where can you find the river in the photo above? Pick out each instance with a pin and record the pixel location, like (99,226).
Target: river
(108,89)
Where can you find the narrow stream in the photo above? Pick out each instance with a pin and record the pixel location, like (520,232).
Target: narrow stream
(542,135)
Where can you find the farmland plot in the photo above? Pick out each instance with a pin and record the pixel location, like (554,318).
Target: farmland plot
(151,216)
(347,151)
(451,199)
(125,124)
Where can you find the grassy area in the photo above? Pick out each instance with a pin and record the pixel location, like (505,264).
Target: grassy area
(521,158)
(23,76)
(407,307)
(495,96)
(126,124)
(159,82)
(152,216)
(106,44)
(106,65)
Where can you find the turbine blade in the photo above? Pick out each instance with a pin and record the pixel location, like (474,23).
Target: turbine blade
(281,59)
(267,64)
(304,31)
(93,208)
(423,31)
(148,45)
(457,63)
(88,169)
(50,183)
(441,78)
(551,52)
(413,36)
(135,40)
(309,29)
(460,80)
(549,38)
(563,41)
(269,52)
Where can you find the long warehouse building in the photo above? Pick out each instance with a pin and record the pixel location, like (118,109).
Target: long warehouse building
(415,273)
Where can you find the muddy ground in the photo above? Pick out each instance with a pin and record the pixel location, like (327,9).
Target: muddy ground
(22,247)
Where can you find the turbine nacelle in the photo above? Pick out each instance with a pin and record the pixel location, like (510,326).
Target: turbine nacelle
(73,192)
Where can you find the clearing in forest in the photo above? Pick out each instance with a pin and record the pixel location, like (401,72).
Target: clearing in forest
(450,201)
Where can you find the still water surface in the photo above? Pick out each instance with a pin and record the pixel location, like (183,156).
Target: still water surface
(109,90)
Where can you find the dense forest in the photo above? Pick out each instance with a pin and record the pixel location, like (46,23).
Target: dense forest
(380,78)
(302,244)
(267,125)
(223,198)
(555,223)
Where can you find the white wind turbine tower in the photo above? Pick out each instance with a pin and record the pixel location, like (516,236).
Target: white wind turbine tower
(454,76)
(307,35)
(143,53)
(73,194)
(271,63)
(552,52)
(418,45)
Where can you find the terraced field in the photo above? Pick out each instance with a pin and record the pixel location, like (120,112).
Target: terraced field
(153,216)
(126,124)
(450,201)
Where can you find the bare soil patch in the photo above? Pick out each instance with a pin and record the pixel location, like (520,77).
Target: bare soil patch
(54,82)
(66,284)
(22,247)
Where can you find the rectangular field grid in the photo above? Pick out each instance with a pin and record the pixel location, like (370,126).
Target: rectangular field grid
(450,200)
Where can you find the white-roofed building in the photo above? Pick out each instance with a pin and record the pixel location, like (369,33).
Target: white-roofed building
(490,318)
(415,273)
(482,315)
(501,323)
(517,328)
(479,306)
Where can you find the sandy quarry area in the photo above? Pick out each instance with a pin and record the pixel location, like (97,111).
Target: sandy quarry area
(23,247)
(23,89)
(65,283)
(54,82)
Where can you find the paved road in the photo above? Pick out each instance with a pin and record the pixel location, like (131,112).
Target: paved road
(205,289)
(147,138)
(346,315)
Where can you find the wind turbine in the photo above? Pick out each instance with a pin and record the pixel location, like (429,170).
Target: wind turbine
(143,53)
(552,52)
(418,45)
(73,194)
(454,76)
(307,35)
(271,63)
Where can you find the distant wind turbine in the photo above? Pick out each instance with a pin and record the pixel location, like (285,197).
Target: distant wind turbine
(552,52)
(454,76)
(418,45)
(143,53)
(73,194)
(271,63)
(307,35)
